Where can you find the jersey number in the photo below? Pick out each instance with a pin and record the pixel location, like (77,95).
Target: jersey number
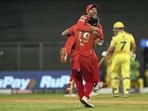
(122,45)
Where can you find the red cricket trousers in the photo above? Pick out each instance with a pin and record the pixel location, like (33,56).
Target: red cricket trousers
(85,74)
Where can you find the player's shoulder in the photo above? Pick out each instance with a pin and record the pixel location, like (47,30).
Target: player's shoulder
(129,34)
(114,37)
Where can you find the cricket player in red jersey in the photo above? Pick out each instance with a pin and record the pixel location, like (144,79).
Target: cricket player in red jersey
(84,60)
(68,47)
(71,40)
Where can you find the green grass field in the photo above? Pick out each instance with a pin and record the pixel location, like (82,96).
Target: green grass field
(57,102)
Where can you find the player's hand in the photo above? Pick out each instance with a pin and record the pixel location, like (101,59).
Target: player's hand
(95,33)
(104,54)
(133,56)
(100,42)
(93,28)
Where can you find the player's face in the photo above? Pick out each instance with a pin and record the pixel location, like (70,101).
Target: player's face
(115,30)
(92,12)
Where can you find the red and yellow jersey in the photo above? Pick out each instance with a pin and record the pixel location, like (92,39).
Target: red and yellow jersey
(84,44)
(82,25)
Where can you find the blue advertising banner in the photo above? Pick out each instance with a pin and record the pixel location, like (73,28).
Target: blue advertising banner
(34,80)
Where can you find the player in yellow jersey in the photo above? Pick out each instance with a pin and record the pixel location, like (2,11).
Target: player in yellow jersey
(122,48)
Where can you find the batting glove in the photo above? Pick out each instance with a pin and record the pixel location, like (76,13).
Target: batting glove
(104,54)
